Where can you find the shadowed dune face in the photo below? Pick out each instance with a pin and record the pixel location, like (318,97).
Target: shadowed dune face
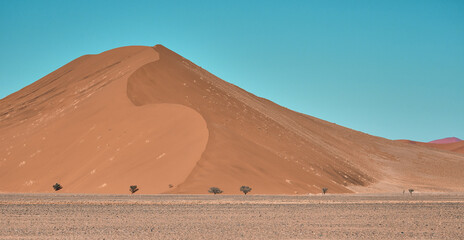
(148,117)
(254,141)
(251,139)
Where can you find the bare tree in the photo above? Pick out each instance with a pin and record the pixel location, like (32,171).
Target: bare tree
(324,190)
(215,190)
(133,189)
(245,189)
(410,191)
(57,186)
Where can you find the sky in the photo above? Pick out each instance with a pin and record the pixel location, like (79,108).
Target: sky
(393,69)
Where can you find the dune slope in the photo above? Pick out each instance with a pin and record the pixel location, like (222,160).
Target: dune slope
(147,116)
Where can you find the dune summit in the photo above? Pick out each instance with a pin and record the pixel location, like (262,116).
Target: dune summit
(146,116)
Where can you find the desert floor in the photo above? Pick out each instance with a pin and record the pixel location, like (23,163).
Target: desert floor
(331,216)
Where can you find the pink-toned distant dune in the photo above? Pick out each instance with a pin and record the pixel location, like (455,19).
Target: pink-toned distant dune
(446,140)
(147,116)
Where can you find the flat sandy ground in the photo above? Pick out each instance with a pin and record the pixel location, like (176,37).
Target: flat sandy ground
(379,216)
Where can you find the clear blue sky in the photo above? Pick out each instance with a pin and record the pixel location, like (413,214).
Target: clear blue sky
(393,69)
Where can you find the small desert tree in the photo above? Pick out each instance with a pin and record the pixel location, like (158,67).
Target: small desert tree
(410,191)
(57,186)
(324,190)
(245,189)
(133,189)
(215,190)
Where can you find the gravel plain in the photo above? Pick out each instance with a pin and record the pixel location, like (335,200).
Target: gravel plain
(331,216)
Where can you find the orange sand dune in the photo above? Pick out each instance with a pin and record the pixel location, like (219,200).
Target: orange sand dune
(147,116)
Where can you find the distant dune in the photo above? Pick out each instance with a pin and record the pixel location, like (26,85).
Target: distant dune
(448,144)
(146,116)
(446,140)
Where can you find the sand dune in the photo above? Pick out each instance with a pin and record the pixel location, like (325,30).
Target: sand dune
(147,116)
(446,140)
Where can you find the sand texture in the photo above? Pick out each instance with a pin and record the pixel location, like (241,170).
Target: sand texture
(149,117)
